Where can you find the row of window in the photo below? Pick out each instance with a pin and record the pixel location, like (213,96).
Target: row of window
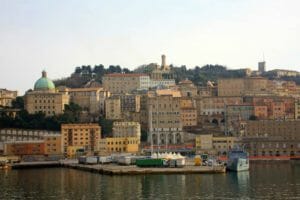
(124,142)
(45,101)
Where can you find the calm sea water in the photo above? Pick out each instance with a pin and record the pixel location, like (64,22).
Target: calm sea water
(273,180)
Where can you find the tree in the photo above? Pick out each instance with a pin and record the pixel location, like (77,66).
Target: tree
(106,126)
(253,117)
(126,71)
(18,103)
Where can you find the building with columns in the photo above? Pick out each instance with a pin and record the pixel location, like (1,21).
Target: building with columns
(164,118)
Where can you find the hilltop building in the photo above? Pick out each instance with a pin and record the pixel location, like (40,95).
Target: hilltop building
(45,98)
(6,97)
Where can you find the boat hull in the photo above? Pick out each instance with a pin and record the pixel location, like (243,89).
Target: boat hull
(238,164)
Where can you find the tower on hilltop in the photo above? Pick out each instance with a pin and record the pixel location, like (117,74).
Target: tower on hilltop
(164,66)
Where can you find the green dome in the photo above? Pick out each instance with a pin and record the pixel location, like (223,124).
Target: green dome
(44,83)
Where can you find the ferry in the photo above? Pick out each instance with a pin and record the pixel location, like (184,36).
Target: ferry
(238,160)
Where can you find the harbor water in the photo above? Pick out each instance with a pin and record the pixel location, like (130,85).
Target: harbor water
(265,180)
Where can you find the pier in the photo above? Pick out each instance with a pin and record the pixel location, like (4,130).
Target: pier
(113,169)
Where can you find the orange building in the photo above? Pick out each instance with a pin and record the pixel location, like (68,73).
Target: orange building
(86,136)
(278,107)
(21,148)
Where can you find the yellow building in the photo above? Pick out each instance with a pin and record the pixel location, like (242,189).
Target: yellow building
(113,108)
(214,145)
(6,97)
(126,129)
(204,142)
(73,151)
(119,145)
(44,98)
(223,144)
(86,136)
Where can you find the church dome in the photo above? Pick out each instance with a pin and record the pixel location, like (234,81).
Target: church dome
(44,83)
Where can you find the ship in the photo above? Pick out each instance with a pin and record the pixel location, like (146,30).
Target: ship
(238,160)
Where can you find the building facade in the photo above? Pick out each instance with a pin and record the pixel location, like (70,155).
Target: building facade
(242,86)
(89,99)
(125,83)
(164,115)
(119,145)
(210,144)
(272,138)
(113,108)
(85,136)
(6,97)
(126,129)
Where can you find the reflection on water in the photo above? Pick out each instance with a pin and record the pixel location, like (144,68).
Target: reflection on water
(264,181)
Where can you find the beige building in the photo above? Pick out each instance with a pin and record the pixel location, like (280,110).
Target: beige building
(44,98)
(187,88)
(119,145)
(89,99)
(204,142)
(6,97)
(130,103)
(126,129)
(86,136)
(242,86)
(164,115)
(212,109)
(272,138)
(125,83)
(113,108)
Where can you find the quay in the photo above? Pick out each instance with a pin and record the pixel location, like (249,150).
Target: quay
(114,169)
(40,164)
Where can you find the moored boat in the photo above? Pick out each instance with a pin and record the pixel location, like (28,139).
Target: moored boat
(238,160)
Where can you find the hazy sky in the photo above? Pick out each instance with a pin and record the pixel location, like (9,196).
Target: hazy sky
(58,35)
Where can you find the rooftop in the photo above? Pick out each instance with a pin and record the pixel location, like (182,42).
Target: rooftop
(124,75)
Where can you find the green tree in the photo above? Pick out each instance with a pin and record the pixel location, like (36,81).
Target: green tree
(18,103)
(106,126)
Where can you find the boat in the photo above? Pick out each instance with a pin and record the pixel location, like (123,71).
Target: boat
(238,160)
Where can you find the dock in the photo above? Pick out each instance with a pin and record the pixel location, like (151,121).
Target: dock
(39,164)
(113,169)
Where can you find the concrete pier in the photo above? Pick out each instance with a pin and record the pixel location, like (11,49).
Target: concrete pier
(113,169)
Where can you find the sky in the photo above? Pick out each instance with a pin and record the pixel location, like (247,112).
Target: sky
(57,36)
